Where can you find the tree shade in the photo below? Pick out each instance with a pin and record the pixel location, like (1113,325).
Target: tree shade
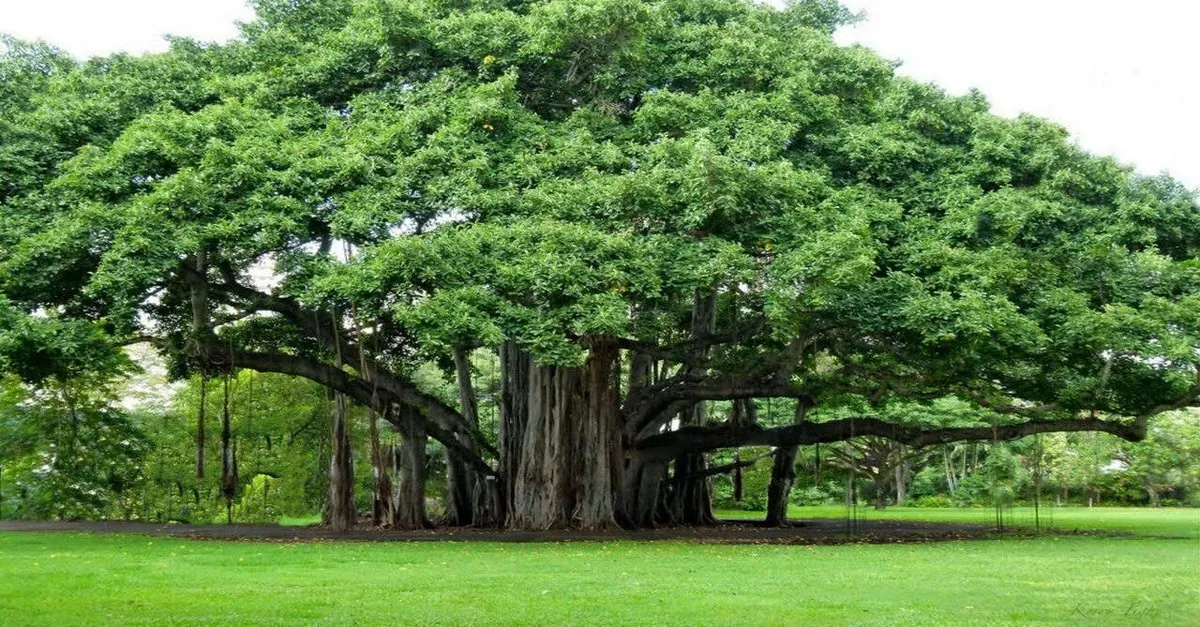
(641,207)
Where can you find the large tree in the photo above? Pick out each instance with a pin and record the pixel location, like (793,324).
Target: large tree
(642,207)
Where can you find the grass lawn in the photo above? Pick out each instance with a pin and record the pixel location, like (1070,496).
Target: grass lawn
(300,521)
(62,579)
(1167,522)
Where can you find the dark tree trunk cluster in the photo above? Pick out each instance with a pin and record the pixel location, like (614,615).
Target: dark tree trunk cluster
(572,449)
(568,457)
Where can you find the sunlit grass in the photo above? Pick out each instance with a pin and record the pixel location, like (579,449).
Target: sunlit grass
(300,521)
(74,579)
(1175,522)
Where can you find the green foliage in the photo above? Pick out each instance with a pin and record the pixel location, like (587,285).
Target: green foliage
(817,495)
(755,479)
(67,453)
(934,501)
(258,502)
(552,170)
(50,348)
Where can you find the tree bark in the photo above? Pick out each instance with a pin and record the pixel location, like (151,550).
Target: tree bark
(460,481)
(201,330)
(735,477)
(515,372)
(409,499)
(691,496)
(341,462)
(381,501)
(341,470)
(229,479)
(691,499)
(201,418)
(570,455)
(783,475)
(642,503)
(783,470)
(542,491)
(598,439)
(707,438)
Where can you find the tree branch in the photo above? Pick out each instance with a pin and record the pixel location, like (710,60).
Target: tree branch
(698,439)
(364,393)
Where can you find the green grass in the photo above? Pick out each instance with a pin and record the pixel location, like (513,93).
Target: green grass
(1166,522)
(78,579)
(300,521)
(60,579)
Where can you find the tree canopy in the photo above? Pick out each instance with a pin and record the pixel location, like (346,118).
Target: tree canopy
(641,206)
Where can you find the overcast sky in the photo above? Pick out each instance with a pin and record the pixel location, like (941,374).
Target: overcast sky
(1122,76)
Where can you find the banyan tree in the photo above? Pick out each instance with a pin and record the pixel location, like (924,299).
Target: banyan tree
(645,211)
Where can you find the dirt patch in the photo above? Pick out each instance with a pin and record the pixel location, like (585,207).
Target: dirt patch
(821,531)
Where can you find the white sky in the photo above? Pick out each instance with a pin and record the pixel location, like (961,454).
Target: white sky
(1120,75)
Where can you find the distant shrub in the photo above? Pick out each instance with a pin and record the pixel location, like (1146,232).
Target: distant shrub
(811,495)
(259,502)
(933,500)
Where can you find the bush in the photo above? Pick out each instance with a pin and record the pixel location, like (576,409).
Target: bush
(812,495)
(929,481)
(933,500)
(259,502)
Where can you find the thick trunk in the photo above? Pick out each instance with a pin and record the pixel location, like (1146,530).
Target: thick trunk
(783,475)
(570,456)
(408,502)
(642,502)
(459,497)
(783,470)
(515,372)
(641,482)
(691,500)
(488,502)
(901,483)
(641,371)
(340,514)
(543,486)
(598,444)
